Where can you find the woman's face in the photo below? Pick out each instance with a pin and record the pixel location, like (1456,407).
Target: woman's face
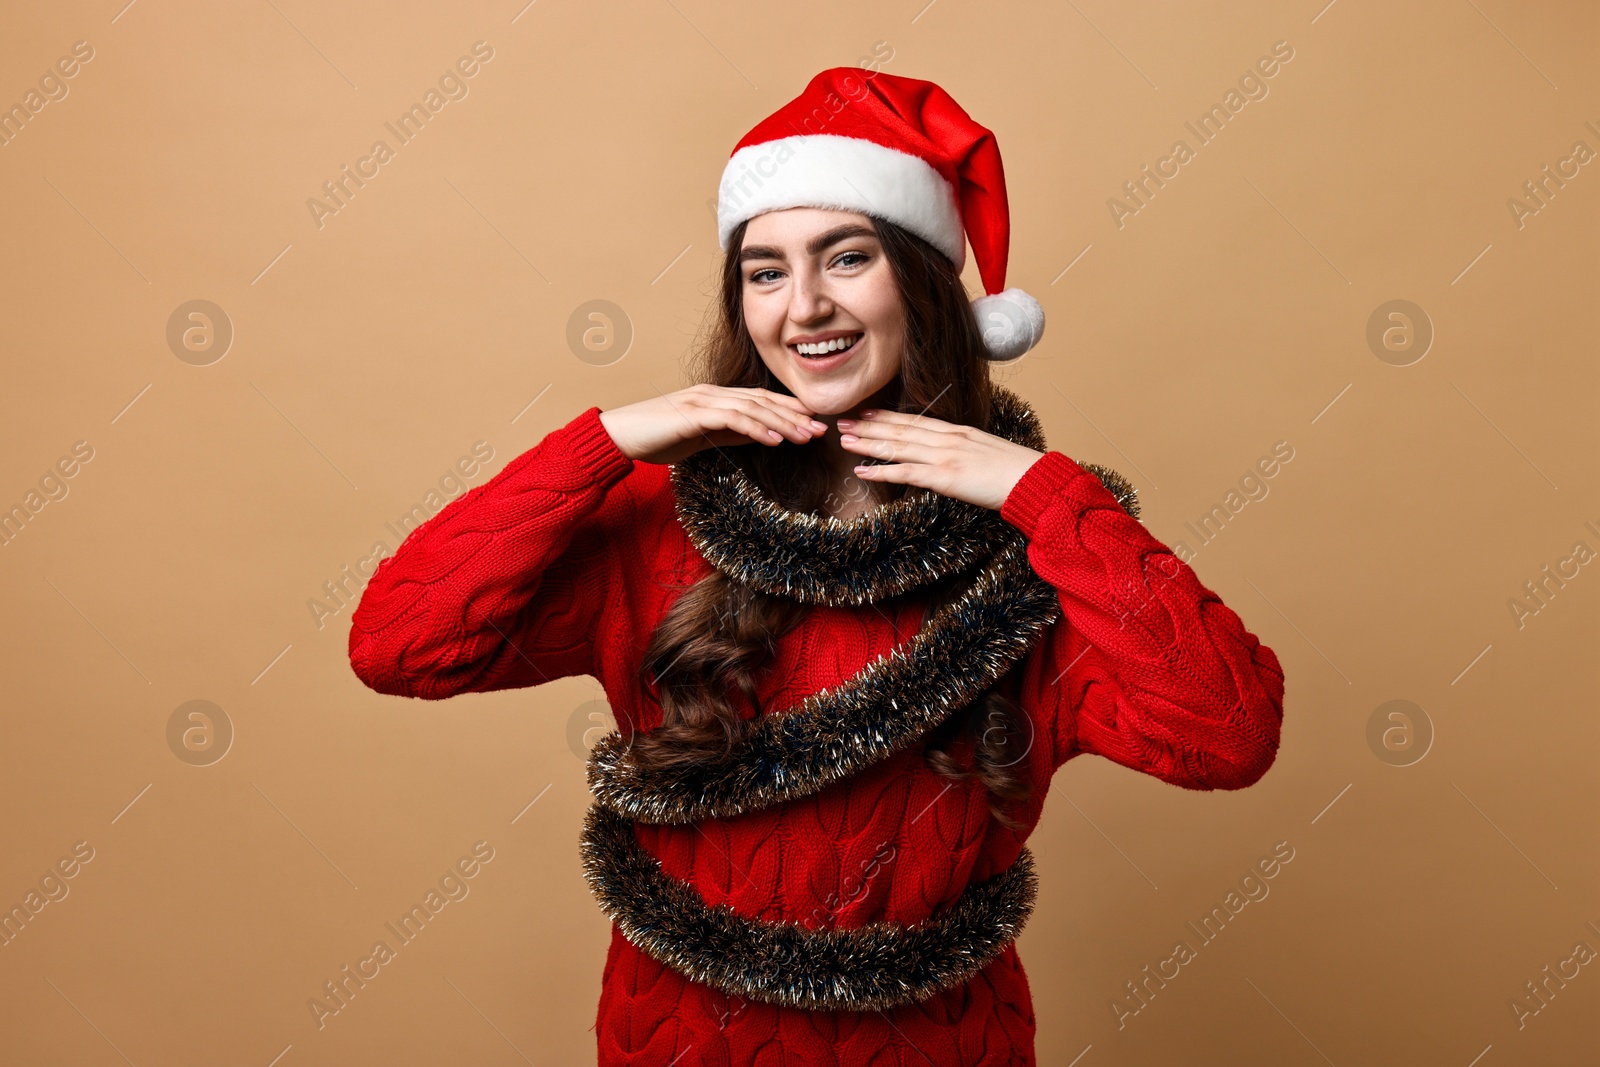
(813,280)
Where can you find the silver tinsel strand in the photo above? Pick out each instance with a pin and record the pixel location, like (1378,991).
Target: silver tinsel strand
(879,965)
(960,650)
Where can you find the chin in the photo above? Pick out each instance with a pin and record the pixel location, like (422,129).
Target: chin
(834,397)
(830,399)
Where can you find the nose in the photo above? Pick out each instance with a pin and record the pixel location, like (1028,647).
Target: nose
(808,298)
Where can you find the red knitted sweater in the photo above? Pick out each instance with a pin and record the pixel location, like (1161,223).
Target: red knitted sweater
(557,566)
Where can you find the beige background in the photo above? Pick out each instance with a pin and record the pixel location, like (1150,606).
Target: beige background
(431,312)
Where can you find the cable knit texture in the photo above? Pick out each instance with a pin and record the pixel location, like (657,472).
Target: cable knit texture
(559,566)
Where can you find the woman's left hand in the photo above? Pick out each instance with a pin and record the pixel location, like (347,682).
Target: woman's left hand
(951,459)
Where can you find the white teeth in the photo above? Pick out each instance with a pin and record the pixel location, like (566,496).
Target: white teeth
(825,347)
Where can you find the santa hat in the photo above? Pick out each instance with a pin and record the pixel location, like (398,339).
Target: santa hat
(900,149)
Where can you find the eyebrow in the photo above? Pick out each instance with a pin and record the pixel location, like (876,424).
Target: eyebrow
(815,245)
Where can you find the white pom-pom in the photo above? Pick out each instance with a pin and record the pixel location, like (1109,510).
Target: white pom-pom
(1011,323)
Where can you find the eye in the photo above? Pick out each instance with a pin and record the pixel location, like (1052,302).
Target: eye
(843,256)
(756,276)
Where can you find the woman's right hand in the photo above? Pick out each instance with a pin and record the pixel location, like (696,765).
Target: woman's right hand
(667,428)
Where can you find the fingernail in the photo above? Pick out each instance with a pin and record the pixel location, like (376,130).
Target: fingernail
(868,414)
(815,425)
(846,422)
(848,437)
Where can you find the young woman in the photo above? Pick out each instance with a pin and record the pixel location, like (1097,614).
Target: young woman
(849,609)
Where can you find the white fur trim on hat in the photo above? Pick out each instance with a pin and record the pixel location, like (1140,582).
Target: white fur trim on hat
(845,173)
(1011,323)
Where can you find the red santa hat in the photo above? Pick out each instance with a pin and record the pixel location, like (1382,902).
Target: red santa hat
(900,149)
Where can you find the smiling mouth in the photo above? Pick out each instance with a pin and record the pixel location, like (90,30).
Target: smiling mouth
(825,349)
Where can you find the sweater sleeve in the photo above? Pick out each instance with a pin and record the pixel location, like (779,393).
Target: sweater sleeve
(1146,667)
(505,586)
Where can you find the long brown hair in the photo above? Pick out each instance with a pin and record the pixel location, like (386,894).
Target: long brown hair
(717,636)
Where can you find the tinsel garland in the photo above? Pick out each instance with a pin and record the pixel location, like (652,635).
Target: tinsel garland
(819,559)
(960,650)
(879,965)
(958,653)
